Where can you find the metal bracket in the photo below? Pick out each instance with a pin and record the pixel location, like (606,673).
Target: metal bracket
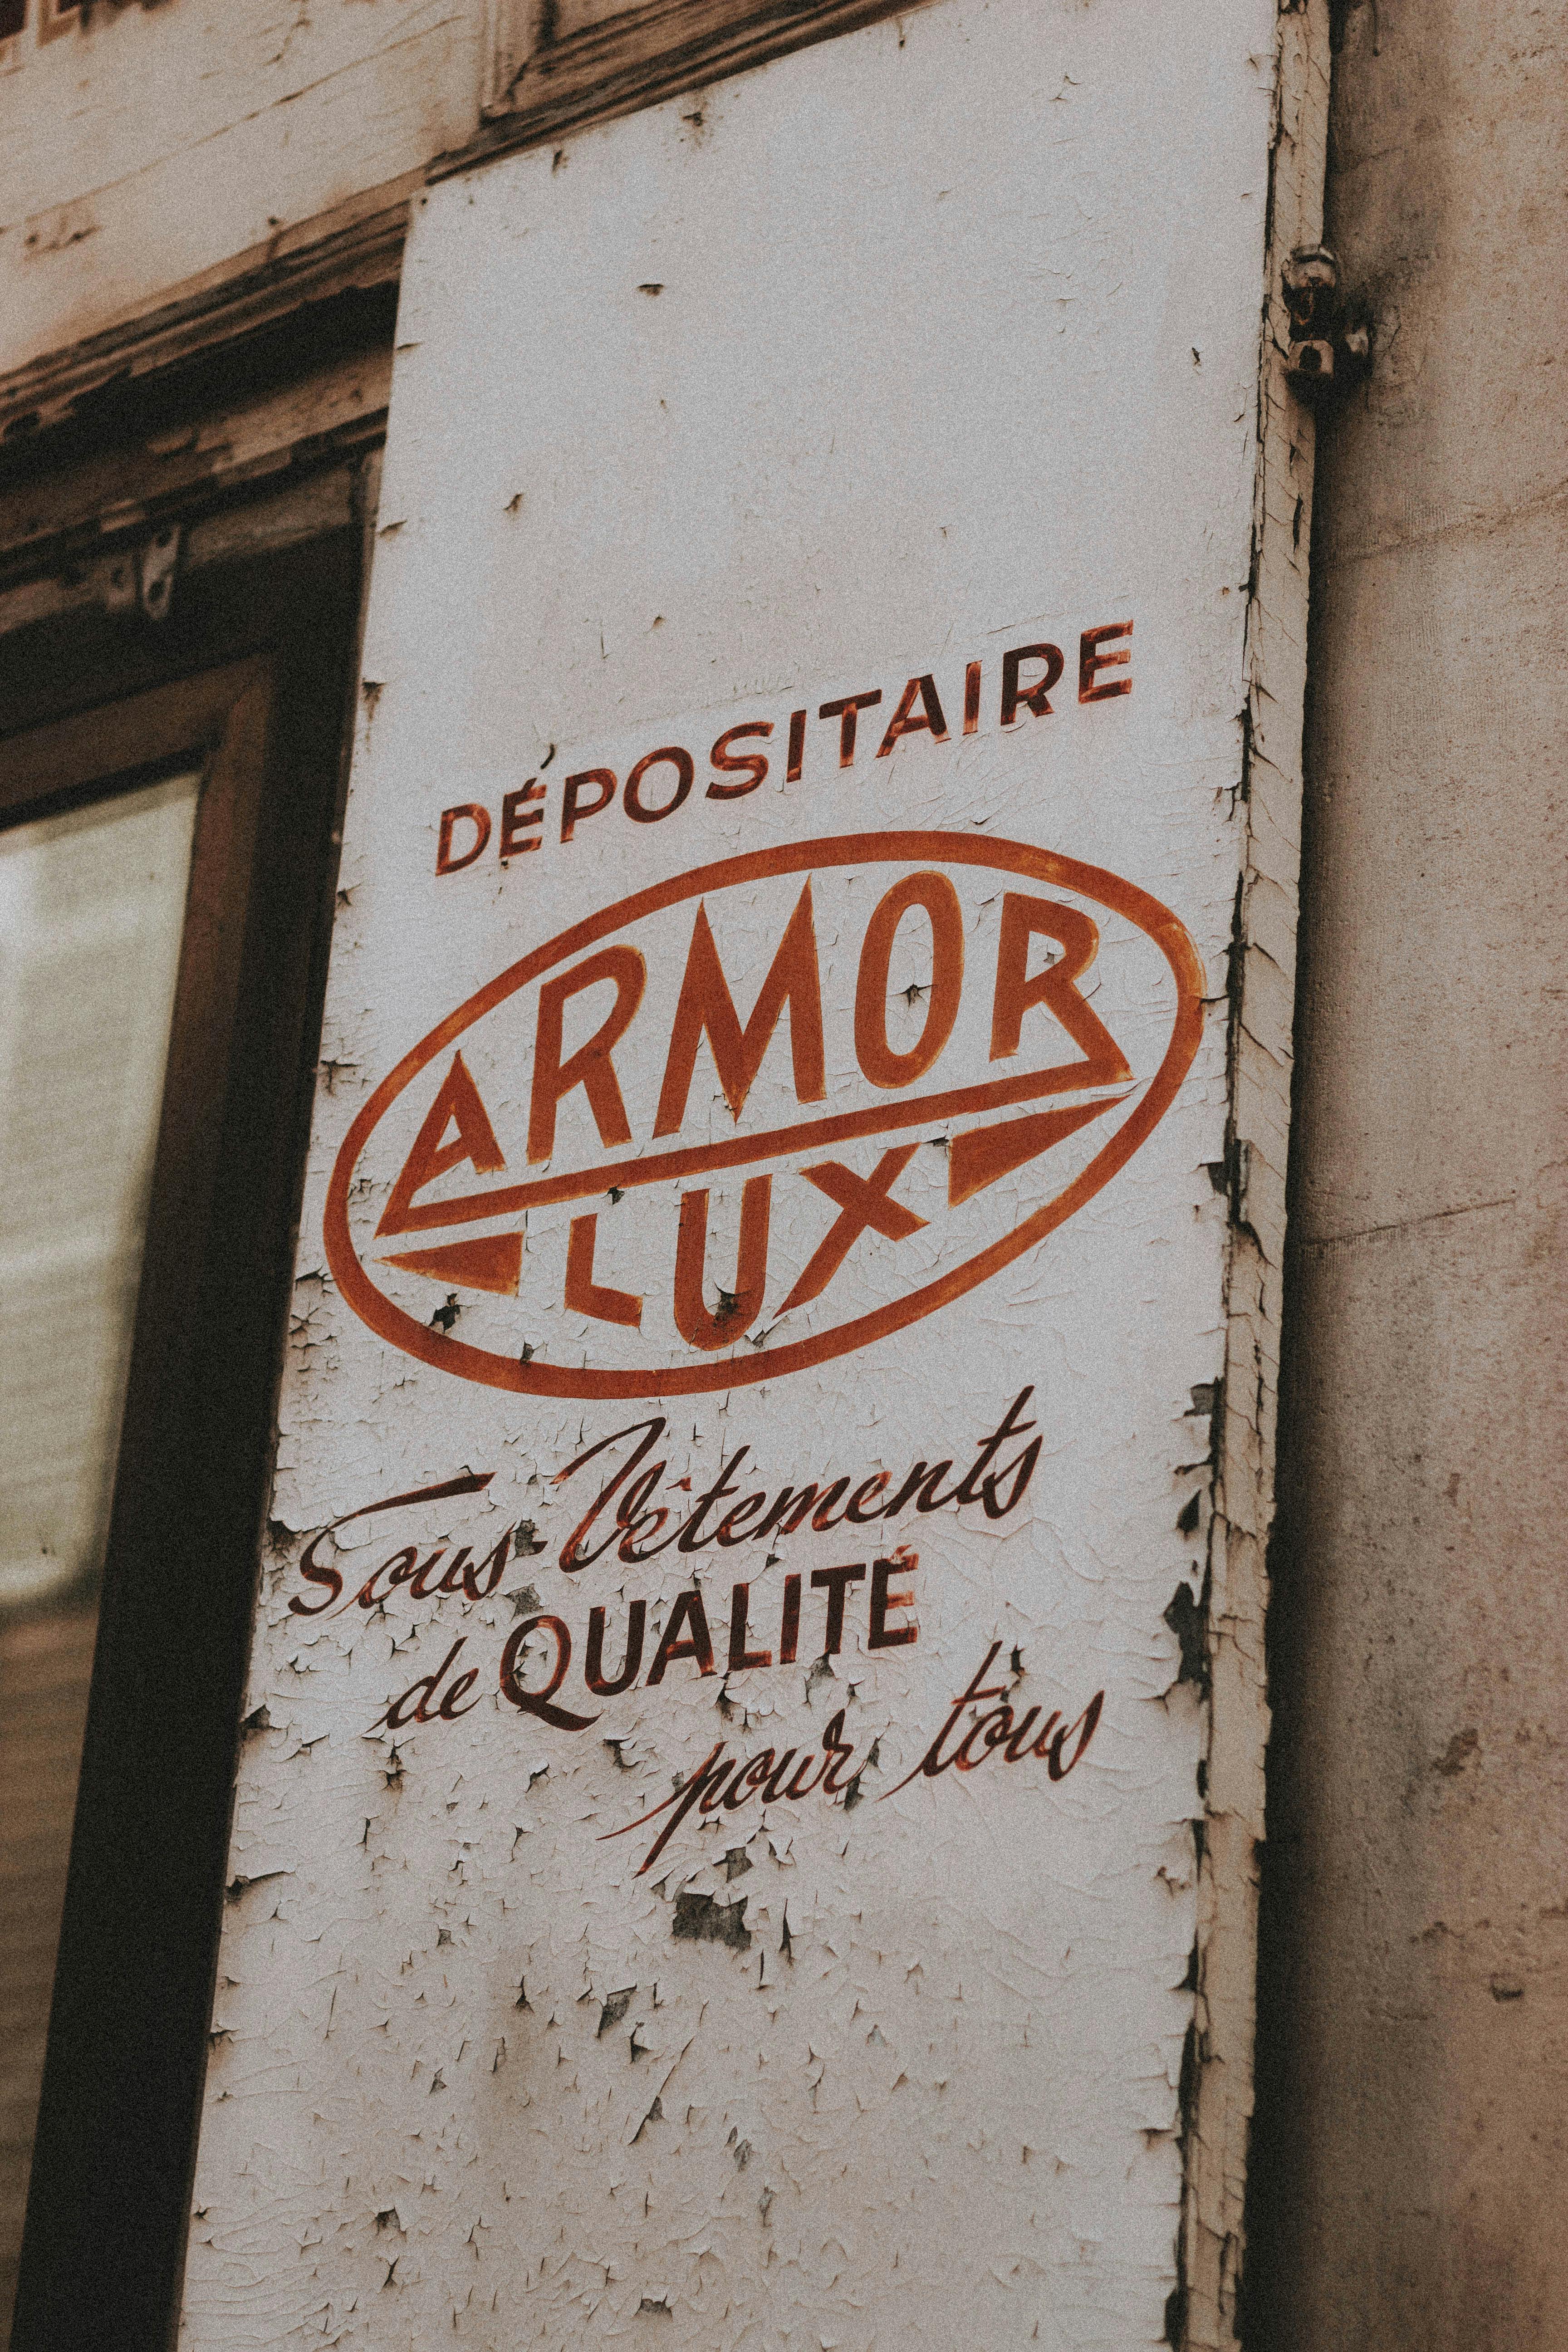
(140,579)
(1331,338)
(155,566)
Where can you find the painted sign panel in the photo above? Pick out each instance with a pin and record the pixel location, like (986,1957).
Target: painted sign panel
(712,1860)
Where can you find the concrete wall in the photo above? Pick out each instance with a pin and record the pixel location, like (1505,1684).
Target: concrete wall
(1411,2173)
(153,145)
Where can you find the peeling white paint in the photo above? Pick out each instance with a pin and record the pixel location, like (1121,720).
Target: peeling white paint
(933,342)
(146,148)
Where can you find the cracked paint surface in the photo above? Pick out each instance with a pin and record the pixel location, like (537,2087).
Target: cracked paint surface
(951,357)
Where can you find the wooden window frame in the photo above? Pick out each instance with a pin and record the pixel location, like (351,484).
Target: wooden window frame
(251,678)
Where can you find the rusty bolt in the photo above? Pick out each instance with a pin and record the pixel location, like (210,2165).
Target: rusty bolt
(1312,357)
(1310,279)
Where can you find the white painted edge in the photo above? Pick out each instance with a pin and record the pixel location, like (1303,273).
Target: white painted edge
(1262,985)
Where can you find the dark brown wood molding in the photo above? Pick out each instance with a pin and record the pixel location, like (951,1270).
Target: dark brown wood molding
(357,246)
(256,666)
(650,53)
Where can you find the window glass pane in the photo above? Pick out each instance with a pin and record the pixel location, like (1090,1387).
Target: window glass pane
(91,912)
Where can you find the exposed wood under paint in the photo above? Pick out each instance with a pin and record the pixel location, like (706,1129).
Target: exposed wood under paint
(358,245)
(239,406)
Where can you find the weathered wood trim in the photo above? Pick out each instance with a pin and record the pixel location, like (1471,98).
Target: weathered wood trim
(188,457)
(357,246)
(633,59)
(304,508)
(645,54)
(1217,2080)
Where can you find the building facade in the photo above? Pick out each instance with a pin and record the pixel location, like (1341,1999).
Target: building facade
(806,379)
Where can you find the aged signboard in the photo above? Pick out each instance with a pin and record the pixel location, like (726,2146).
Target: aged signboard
(714,1856)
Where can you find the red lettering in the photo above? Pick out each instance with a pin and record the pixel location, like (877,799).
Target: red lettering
(789,1625)
(448,1709)
(493,1568)
(820,1519)
(848,712)
(905,721)
(458,1574)
(421,1588)
(590,1066)
(866,1205)
(933,1762)
(740,1657)
(1024,920)
(773,1788)
(1091,661)
(936,896)
(1034,698)
(1021,1469)
(998,1728)
(516,814)
(1018,1746)
(668,755)
(756,1776)
(411,1708)
(699,1325)
(594,1673)
(708,1773)
(397,1571)
(714,1796)
(867,1492)
(539,1702)
(1084,1726)
(571,1558)
(790,1505)
(718,1781)
(641,1526)
(835,1582)
(922,1485)
(705,1008)
(457,1105)
(461,1576)
(1011,1424)
(697,1644)
(731,1528)
(571,807)
(990,1730)
(880,1635)
(315,1571)
(752,765)
(470,813)
(837,1751)
(584,1295)
(691,1537)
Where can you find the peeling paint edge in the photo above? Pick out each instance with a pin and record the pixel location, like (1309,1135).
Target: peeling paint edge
(1218,2065)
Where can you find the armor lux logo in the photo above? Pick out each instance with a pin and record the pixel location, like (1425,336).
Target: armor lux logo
(602,961)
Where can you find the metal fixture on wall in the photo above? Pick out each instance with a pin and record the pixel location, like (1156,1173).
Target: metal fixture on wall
(1330,336)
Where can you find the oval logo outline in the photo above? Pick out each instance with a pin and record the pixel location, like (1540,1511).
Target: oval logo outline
(489,1370)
